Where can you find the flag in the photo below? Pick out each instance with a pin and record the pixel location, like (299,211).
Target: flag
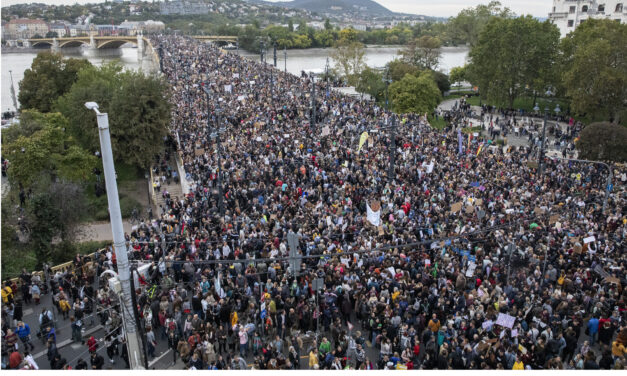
(479,149)
(459,140)
(362,140)
(374,217)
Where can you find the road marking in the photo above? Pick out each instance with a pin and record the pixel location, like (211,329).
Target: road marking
(68,341)
(27,311)
(155,360)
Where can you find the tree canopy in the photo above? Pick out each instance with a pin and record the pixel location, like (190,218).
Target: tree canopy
(138,108)
(423,52)
(470,22)
(595,68)
(349,60)
(43,150)
(49,77)
(514,54)
(415,94)
(603,141)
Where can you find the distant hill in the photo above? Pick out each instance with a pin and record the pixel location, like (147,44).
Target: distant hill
(366,7)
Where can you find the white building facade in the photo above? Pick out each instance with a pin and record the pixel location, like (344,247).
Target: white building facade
(568,14)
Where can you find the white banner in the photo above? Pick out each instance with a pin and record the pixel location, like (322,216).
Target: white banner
(374,217)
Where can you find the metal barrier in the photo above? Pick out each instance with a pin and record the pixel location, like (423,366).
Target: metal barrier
(53,270)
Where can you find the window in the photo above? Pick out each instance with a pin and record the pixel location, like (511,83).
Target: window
(553,9)
(570,23)
(572,10)
(584,8)
(619,8)
(601,8)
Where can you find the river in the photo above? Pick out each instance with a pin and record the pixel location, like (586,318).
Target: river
(376,57)
(297,60)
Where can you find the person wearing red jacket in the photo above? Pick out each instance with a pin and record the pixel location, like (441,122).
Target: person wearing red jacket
(92,344)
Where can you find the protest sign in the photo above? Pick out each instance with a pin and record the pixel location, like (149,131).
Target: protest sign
(505,320)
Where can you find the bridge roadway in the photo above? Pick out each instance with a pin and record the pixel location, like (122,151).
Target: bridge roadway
(106,42)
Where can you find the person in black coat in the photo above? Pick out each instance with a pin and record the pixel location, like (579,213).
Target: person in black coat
(97,361)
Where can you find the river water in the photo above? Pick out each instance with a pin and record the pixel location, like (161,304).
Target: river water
(376,57)
(297,61)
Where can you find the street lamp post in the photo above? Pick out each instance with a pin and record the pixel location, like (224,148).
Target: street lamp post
(119,242)
(541,155)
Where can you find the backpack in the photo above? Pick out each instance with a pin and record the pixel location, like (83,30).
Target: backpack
(45,319)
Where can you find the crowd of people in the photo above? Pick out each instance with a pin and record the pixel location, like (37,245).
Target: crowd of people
(306,243)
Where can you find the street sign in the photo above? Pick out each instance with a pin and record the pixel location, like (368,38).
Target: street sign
(318,284)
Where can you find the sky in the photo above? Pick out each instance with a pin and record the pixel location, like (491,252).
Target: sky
(437,8)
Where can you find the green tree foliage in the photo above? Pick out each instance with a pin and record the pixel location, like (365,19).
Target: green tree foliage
(595,68)
(603,141)
(414,94)
(441,80)
(398,69)
(371,82)
(512,54)
(467,26)
(44,150)
(349,60)
(49,77)
(423,52)
(457,74)
(54,211)
(138,108)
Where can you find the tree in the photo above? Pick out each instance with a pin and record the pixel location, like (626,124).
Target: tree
(457,74)
(327,24)
(511,54)
(349,60)
(49,77)
(423,52)
(52,34)
(347,35)
(371,82)
(441,80)
(603,141)
(54,211)
(414,94)
(138,107)
(467,26)
(398,69)
(49,152)
(595,68)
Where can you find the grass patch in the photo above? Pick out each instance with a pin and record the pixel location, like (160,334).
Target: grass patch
(471,130)
(98,207)
(459,94)
(438,123)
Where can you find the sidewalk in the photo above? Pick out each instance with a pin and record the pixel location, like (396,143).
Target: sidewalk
(100,231)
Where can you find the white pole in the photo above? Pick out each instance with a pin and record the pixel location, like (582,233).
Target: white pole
(119,243)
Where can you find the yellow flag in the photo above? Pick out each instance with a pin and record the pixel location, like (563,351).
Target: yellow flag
(362,140)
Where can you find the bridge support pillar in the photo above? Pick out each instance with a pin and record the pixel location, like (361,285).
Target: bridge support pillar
(140,47)
(55,46)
